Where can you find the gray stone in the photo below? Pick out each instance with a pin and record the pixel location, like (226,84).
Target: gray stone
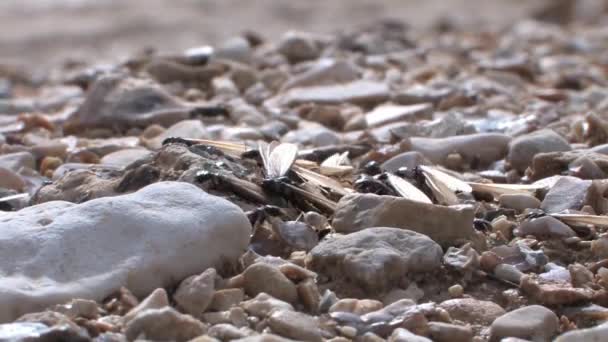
(165,325)
(446,332)
(523,148)
(262,277)
(570,193)
(407,159)
(375,258)
(298,47)
(596,334)
(365,93)
(295,325)
(445,225)
(534,322)
(471,310)
(546,227)
(323,72)
(194,294)
(479,149)
(152,238)
(519,202)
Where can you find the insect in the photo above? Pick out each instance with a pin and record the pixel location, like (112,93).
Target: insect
(277,160)
(241,187)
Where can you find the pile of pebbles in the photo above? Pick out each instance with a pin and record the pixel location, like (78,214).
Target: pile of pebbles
(381,184)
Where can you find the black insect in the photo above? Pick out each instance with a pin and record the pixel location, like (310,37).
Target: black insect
(209,111)
(369,184)
(372,168)
(177,140)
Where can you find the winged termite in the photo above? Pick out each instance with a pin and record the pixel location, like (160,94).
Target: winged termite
(503,189)
(406,189)
(321,180)
(444,186)
(227,147)
(336,165)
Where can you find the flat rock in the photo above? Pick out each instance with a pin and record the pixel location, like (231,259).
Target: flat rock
(375,258)
(523,148)
(409,159)
(355,212)
(471,310)
(479,149)
(122,158)
(295,325)
(264,278)
(535,323)
(325,71)
(365,93)
(519,202)
(570,193)
(595,334)
(115,101)
(387,114)
(546,227)
(164,325)
(165,232)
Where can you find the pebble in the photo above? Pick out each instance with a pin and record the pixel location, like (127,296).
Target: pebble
(387,114)
(298,47)
(261,277)
(546,227)
(356,306)
(519,202)
(403,335)
(295,325)
(375,258)
(360,92)
(195,293)
(192,129)
(534,322)
(124,157)
(158,299)
(570,193)
(407,159)
(164,324)
(263,304)
(456,291)
(508,272)
(473,311)
(523,148)
(132,227)
(446,332)
(225,299)
(481,148)
(325,71)
(355,212)
(597,333)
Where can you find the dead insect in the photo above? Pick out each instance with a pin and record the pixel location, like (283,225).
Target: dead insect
(368,184)
(241,187)
(277,160)
(177,140)
(372,168)
(405,189)
(260,214)
(209,111)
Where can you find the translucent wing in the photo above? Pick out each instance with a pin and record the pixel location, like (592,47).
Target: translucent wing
(407,190)
(280,159)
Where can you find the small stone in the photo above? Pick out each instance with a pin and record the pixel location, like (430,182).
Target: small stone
(387,114)
(124,157)
(534,322)
(480,149)
(544,228)
(580,275)
(79,308)
(409,160)
(595,334)
(403,335)
(355,212)
(508,272)
(263,304)
(158,299)
(362,92)
(325,71)
(445,332)
(195,293)
(315,136)
(164,324)
(223,300)
(456,291)
(570,193)
(264,338)
(226,332)
(473,311)
(298,47)
(523,148)
(261,277)
(519,202)
(192,129)
(413,292)
(349,332)
(356,306)
(375,258)
(295,325)
(309,294)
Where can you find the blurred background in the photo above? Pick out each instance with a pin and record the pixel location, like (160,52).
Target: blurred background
(39,32)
